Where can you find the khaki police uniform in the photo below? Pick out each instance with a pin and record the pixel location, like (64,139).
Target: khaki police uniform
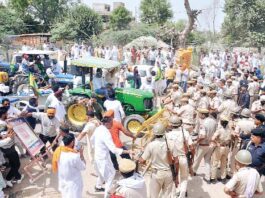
(222,138)
(161,177)
(186,113)
(244,125)
(226,107)
(175,137)
(239,182)
(206,128)
(257,107)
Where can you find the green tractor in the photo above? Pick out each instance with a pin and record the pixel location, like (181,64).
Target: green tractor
(137,104)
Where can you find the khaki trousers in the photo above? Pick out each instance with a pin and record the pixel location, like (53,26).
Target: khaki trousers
(232,161)
(220,155)
(183,176)
(203,152)
(160,182)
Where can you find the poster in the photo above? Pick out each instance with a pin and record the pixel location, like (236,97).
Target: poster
(26,135)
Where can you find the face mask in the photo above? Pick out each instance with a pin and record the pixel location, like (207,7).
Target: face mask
(50,117)
(224,123)
(262,103)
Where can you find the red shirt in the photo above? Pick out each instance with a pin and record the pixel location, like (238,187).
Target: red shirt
(115,133)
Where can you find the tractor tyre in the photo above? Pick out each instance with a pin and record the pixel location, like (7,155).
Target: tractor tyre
(19,82)
(132,123)
(76,113)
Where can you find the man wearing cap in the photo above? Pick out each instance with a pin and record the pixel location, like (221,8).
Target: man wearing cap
(230,88)
(69,163)
(182,142)
(227,105)
(215,101)
(103,144)
(246,181)
(191,88)
(205,128)
(203,102)
(258,106)
(186,112)
(133,184)
(148,85)
(49,125)
(259,120)
(257,149)
(174,95)
(156,152)
(244,126)
(221,140)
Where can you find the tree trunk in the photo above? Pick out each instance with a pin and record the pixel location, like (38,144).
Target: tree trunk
(192,16)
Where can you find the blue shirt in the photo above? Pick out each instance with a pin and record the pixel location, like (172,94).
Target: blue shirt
(258,155)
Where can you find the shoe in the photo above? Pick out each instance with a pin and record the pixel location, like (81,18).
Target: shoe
(223,181)
(21,178)
(219,179)
(213,181)
(9,184)
(186,194)
(207,181)
(194,174)
(228,177)
(99,189)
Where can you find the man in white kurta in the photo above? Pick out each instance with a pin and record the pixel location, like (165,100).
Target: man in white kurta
(103,144)
(70,166)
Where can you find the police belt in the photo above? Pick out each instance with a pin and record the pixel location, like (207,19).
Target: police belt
(224,145)
(204,144)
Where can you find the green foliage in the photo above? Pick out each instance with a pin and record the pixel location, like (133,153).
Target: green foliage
(80,23)
(44,11)
(120,18)
(10,23)
(155,11)
(244,24)
(123,37)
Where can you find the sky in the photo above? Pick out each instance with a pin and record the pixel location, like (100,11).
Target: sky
(204,20)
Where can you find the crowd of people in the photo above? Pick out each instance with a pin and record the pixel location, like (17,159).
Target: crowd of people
(216,114)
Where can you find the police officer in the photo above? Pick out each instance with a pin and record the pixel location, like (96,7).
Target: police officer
(246,181)
(257,149)
(182,145)
(221,139)
(227,105)
(244,126)
(156,152)
(205,128)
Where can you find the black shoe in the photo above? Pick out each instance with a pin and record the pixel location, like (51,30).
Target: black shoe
(219,179)
(223,181)
(186,194)
(213,181)
(228,177)
(194,174)
(99,189)
(207,181)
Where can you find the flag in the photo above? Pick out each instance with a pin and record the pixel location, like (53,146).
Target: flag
(33,85)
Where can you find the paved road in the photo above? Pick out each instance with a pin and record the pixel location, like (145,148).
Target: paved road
(47,186)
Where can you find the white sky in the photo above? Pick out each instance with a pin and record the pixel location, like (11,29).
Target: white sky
(204,20)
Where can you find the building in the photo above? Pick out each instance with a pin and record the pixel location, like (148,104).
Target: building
(118,4)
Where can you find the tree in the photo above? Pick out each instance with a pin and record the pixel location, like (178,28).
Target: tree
(80,23)
(10,23)
(155,11)
(244,23)
(120,18)
(192,16)
(44,11)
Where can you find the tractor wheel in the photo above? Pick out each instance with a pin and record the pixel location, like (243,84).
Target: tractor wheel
(20,85)
(76,113)
(133,122)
